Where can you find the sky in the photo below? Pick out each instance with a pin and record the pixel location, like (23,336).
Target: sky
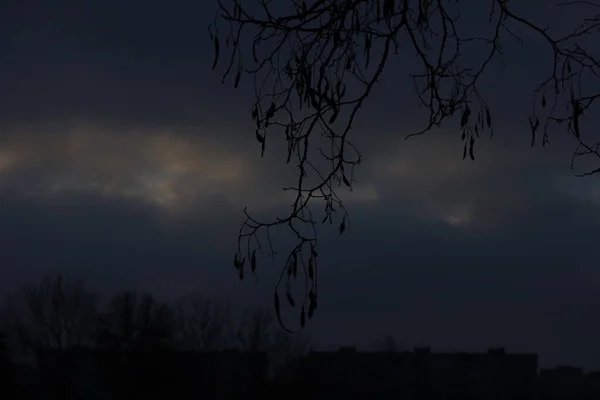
(124,160)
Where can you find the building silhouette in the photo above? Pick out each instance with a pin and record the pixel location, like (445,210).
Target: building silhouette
(566,382)
(421,374)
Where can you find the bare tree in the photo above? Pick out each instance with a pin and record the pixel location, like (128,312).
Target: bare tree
(133,322)
(258,331)
(255,331)
(202,324)
(314,64)
(56,312)
(292,346)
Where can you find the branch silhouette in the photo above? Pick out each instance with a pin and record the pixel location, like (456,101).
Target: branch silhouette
(314,64)
(56,312)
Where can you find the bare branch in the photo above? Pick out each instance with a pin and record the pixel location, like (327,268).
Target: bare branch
(56,312)
(314,65)
(133,322)
(202,324)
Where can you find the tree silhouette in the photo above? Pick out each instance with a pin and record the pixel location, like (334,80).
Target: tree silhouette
(202,324)
(134,323)
(257,331)
(57,313)
(314,64)
(135,345)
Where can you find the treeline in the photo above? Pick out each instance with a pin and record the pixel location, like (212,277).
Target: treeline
(59,312)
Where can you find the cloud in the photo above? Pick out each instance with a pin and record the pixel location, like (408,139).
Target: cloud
(123,158)
(158,166)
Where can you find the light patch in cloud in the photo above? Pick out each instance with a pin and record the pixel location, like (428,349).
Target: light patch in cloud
(507,183)
(457,220)
(8,160)
(361,194)
(585,189)
(453,215)
(161,167)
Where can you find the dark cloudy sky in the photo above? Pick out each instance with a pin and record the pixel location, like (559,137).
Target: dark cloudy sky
(124,160)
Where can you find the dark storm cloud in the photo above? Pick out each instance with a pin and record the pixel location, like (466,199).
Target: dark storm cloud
(124,160)
(132,62)
(144,64)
